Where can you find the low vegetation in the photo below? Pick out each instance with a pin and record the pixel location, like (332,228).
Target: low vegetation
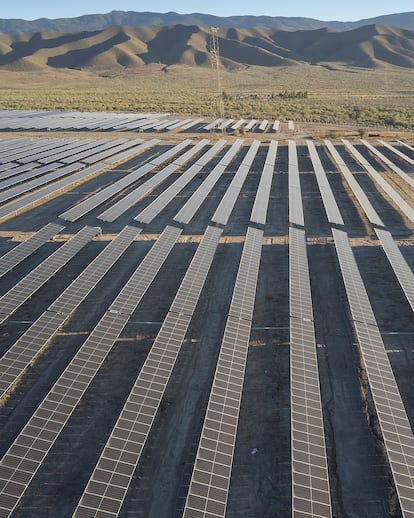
(306,93)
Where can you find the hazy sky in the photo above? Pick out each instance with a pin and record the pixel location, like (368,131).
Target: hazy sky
(348,10)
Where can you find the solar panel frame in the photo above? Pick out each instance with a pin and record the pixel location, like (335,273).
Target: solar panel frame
(188,211)
(26,151)
(396,151)
(191,124)
(261,202)
(103,155)
(309,462)
(29,346)
(178,124)
(49,191)
(359,194)
(406,145)
(406,177)
(250,125)
(27,176)
(55,410)
(385,186)
(223,211)
(135,420)
(130,153)
(394,424)
(263,125)
(59,145)
(210,481)
(34,280)
(154,208)
(213,124)
(11,259)
(238,124)
(295,194)
(401,269)
(82,208)
(72,150)
(331,207)
(49,175)
(159,160)
(81,156)
(16,169)
(276,125)
(132,198)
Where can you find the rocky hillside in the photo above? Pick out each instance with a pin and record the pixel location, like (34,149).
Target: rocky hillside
(120,46)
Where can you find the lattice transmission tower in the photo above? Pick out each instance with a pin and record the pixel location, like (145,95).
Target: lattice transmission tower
(218,104)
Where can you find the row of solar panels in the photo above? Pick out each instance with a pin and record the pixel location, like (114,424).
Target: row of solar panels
(209,485)
(84,121)
(111,477)
(246,125)
(24,190)
(310,482)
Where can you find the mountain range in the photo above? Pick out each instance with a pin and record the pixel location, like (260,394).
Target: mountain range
(98,22)
(118,47)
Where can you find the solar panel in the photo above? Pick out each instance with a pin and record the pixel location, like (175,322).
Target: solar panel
(128,437)
(76,212)
(24,457)
(25,177)
(229,199)
(171,152)
(192,205)
(165,124)
(401,269)
(331,207)
(16,360)
(406,145)
(150,212)
(40,196)
(7,167)
(14,169)
(33,148)
(263,125)
(213,124)
(179,123)
(261,201)
(390,191)
(395,427)
(118,208)
(80,157)
(130,153)
(210,481)
(406,177)
(191,124)
(11,259)
(54,172)
(24,289)
(72,150)
(250,125)
(310,479)
(276,125)
(238,124)
(225,124)
(396,152)
(295,194)
(57,145)
(355,187)
(112,151)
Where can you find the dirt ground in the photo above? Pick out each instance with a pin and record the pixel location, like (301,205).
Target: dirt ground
(360,478)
